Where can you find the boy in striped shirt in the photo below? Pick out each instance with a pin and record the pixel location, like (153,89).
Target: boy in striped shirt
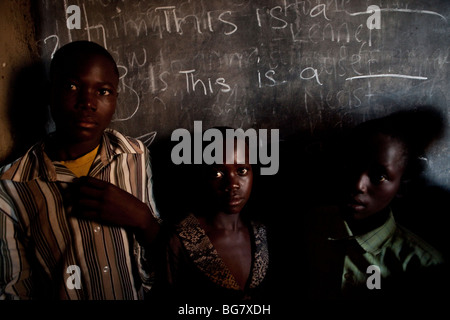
(77,210)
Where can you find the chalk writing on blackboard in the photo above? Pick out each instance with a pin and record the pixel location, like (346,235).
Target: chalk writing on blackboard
(305,67)
(238,62)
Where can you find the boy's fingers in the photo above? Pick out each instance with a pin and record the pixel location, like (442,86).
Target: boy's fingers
(88,209)
(88,204)
(89,214)
(88,187)
(91,182)
(86,191)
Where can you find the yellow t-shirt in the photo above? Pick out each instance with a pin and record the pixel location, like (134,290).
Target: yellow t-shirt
(80,166)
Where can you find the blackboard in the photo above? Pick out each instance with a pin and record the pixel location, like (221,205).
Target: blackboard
(310,68)
(306,67)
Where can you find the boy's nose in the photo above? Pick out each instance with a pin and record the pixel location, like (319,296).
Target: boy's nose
(86,101)
(362,183)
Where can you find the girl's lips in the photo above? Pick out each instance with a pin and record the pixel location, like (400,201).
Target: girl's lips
(234,201)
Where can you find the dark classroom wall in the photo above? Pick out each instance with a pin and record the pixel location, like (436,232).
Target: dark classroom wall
(308,68)
(311,69)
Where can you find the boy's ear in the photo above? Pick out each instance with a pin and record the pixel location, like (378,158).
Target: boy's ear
(415,170)
(405,186)
(416,167)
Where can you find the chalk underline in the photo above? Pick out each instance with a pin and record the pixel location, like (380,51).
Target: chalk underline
(401,10)
(387,75)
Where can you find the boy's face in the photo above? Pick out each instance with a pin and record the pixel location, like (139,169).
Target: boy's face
(375,176)
(231,183)
(83,98)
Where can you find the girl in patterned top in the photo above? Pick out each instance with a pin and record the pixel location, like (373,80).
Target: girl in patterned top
(216,254)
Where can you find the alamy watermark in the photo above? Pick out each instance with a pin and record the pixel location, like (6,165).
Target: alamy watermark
(73,15)
(212,153)
(74,280)
(374,280)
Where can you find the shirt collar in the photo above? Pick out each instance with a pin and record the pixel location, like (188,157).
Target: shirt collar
(374,240)
(36,164)
(115,143)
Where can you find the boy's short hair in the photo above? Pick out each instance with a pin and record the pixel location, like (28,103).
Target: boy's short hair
(363,134)
(405,127)
(76,49)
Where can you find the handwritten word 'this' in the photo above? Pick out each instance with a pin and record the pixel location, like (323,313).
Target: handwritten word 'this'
(73,20)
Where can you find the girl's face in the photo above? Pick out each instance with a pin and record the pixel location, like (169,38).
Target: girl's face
(230,184)
(375,176)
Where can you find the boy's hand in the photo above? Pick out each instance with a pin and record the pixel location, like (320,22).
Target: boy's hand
(106,203)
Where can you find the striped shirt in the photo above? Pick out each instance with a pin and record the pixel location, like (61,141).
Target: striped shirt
(46,253)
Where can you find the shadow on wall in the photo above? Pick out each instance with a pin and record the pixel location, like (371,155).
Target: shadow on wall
(309,172)
(422,126)
(28,108)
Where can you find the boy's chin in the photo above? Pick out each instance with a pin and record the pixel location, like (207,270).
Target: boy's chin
(355,215)
(85,136)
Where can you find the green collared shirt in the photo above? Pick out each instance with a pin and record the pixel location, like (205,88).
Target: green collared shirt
(391,248)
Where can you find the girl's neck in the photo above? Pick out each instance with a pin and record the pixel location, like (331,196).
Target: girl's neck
(224,221)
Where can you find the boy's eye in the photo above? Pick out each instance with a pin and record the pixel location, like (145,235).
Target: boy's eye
(379,178)
(217,175)
(72,87)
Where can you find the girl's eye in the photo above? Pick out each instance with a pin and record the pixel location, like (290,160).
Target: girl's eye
(105,92)
(72,87)
(242,171)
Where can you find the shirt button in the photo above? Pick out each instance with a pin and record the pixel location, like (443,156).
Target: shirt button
(105,269)
(97,229)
